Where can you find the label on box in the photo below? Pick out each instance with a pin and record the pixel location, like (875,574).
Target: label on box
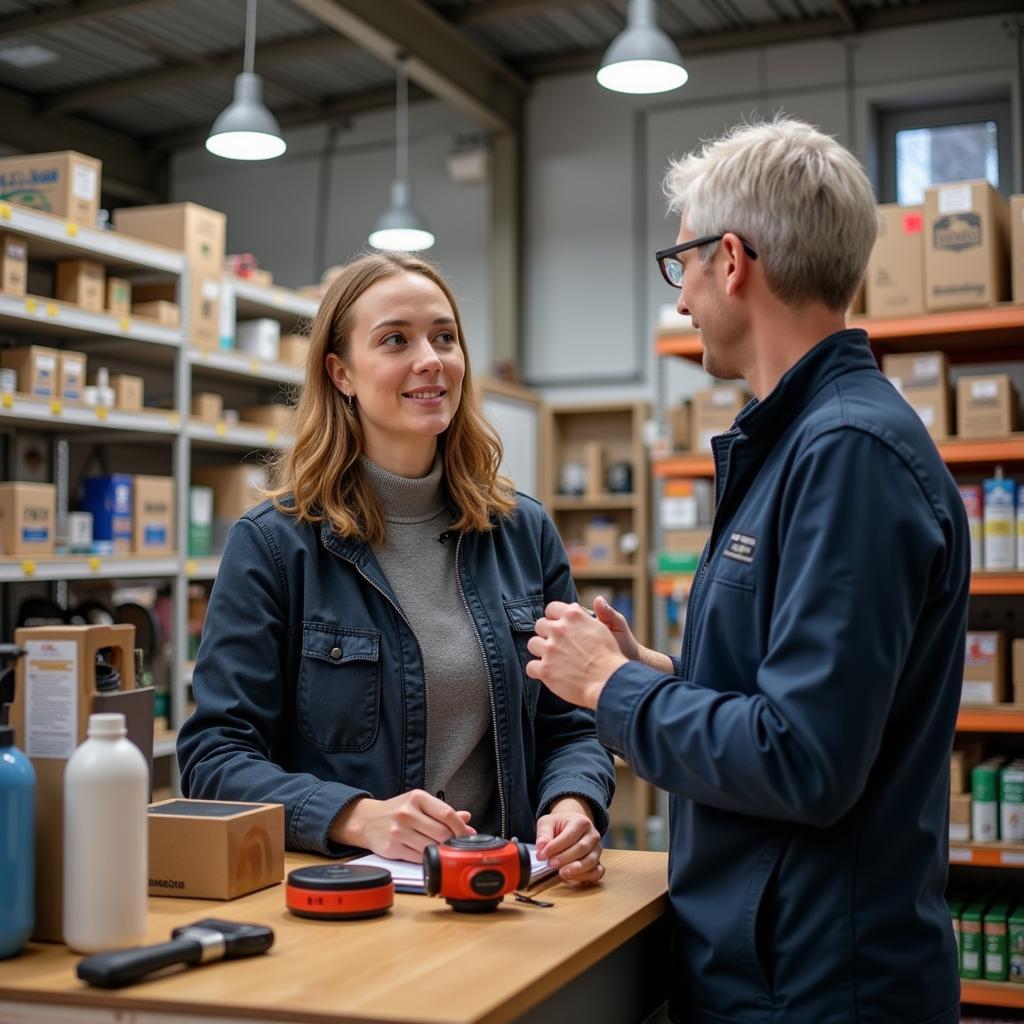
(51,698)
(83,182)
(16,250)
(984,390)
(975,692)
(927,414)
(913,223)
(981,649)
(210,290)
(959,833)
(926,370)
(955,200)
(154,535)
(35,534)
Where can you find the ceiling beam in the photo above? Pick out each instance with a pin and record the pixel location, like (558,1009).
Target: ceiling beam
(223,65)
(437,55)
(58,17)
(492,10)
(777,33)
(128,171)
(846,14)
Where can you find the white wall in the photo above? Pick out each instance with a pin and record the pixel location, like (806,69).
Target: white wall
(272,207)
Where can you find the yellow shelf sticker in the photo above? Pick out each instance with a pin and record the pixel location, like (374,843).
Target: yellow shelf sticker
(191,568)
(94,564)
(174,419)
(101,412)
(52,309)
(72,229)
(5,211)
(28,567)
(126,324)
(30,305)
(7,401)
(56,408)
(272,436)
(222,429)
(255,366)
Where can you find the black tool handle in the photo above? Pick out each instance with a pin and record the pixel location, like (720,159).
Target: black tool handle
(126,966)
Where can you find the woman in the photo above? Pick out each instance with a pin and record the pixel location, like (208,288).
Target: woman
(363,655)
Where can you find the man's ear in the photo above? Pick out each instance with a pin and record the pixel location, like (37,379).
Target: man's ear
(338,374)
(737,263)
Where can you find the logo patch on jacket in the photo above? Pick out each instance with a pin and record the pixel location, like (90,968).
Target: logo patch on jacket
(741,547)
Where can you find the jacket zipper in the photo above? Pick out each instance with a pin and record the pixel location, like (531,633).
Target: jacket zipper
(490,681)
(705,562)
(423,664)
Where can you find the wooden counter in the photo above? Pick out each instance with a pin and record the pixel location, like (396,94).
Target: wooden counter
(599,951)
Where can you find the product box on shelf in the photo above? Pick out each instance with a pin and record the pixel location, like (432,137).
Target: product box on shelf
(994,937)
(984,668)
(678,419)
(685,540)
(71,375)
(293,350)
(276,414)
(685,504)
(66,184)
(971,941)
(1017,251)
(160,310)
(28,519)
(601,538)
(713,413)
(1020,526)
(922,378)
(54,696)
(109,499)
(973,499)
(200,521)
(998,517)
(36,367)
(236,489)
(119,296)
(13,265)
(1017,671)
(214,849)
(81,282)
(129,392)
(966,250)
(260,338)
(959,817)
(894,282)
(207,406)
(962,761)
(986,406)
(153,515)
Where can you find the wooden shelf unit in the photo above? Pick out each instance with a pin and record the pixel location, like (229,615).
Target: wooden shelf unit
(990,718)
(1004,994)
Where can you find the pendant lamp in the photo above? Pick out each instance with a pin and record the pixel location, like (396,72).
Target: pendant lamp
(642,58)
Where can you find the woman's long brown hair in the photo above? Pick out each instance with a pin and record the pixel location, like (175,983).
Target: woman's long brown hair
(320,477)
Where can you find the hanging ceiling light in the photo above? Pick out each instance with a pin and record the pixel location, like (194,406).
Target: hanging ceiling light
(401,227)
(641,58)
(246,129)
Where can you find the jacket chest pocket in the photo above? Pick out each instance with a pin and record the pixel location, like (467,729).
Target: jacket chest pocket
(338,694)
(522,615)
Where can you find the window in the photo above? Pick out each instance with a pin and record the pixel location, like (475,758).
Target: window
(924,147)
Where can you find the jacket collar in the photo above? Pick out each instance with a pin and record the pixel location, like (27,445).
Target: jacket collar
(842,352)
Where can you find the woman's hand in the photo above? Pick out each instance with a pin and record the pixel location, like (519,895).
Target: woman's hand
(628,644)
(568,841)
(399,828)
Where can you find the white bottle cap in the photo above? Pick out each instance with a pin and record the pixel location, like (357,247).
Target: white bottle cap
(107,725)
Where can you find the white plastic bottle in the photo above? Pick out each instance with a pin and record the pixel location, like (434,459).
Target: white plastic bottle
(106,876)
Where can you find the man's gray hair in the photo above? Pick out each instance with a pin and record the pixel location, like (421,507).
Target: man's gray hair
(800,199)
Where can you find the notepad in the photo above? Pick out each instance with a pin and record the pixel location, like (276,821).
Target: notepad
(408,876)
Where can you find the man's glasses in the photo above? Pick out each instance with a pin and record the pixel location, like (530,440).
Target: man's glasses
(672,267)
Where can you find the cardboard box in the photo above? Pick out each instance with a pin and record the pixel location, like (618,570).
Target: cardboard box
(129,392)
(966,246)
(714,411)
(293,350)
(922,378)
(593,461)
(66,184)
(195,230)
(260,338)
(71,375)
(28,519)
(602,543)
(685,540)
(986,406)
(81,282)
(236,489)
(207,406)
(109,499)
(685,504)
(119,296)
(1017,660)
(277,415)
(1017,248)
(163,312)
(214,849)
(857,302)
(13,265)
(153,515)
(678,420)
(964,758)
(984,668)
(37,369)
(959,817)
(55,693)
(894,282)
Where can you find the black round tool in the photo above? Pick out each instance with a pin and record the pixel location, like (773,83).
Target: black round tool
(337,892)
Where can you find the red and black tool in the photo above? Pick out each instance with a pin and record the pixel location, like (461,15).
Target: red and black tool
(339,892)
(474,873)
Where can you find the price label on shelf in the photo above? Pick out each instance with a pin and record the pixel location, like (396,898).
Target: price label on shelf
(961,855)
(1011,858)
(126,324)
(174,419)
(222,429)
(101,412)
(7,401)
(94,564)
(30,305)
(255,366)
(72,229)
(28,567)
(191,567)
(272,437)
(52,309)
(5,211)
(56,408)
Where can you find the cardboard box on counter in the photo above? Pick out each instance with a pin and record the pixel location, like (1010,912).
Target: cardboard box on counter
(81,282)
(153,515)
(922,378)
(984,668)
(13,265)
(277,415)
(160,310)
(986,406)
(54,695)
(129,392)
(966,246)
(65,183)
(37,367)
(28,519)
(207,406)
(119,296)
(894,282)
(213,849)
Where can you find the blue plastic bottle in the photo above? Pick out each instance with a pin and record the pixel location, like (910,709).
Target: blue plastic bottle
(17,845)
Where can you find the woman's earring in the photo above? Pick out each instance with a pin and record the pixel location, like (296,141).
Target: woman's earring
(351,399)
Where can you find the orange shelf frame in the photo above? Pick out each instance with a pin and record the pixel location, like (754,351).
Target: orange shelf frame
(987,855)
(997,718)
(684,465)
(997,584)
(970,451)
(668,585)
(1003,994)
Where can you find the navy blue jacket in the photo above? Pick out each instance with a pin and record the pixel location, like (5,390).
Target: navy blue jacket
(806,737)
(309,682)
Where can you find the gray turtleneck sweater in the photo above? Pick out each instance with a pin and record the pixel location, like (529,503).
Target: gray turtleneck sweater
(421,570)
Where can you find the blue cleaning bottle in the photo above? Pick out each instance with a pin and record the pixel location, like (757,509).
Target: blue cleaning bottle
(17,828)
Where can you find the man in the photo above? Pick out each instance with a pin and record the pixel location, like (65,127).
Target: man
(805,731)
